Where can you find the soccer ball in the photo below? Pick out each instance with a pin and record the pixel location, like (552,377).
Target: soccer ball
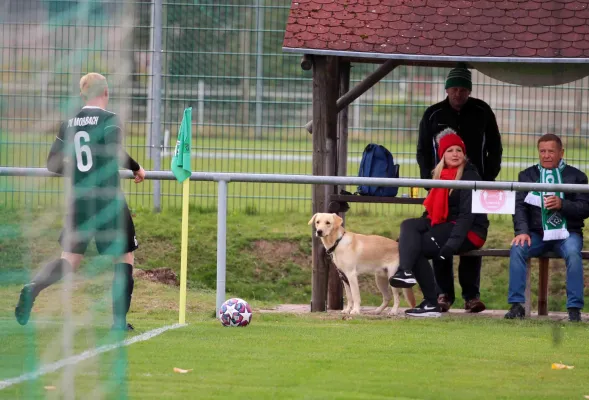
(235,312)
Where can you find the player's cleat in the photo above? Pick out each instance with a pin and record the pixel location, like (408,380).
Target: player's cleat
(22,311)
(125,328)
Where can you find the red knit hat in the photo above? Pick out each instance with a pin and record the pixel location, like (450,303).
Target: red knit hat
(449,140)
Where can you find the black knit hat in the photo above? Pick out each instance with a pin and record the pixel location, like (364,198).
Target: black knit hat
(459,77)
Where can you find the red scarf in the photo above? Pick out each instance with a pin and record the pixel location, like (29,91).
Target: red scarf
(436,202)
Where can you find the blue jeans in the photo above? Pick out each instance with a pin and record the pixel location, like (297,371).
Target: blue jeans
(569,249)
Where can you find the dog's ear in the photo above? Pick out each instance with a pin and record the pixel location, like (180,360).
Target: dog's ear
(312,219)
(337,220)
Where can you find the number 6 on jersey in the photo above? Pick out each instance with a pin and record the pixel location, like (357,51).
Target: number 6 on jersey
(81,150)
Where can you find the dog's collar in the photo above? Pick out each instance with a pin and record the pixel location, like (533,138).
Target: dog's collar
(332,248)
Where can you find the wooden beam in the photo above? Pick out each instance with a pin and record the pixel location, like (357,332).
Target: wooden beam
(528,291)
(543,286)
(361,88)
(335,289)
(325,93)
(306,62)
(410,63)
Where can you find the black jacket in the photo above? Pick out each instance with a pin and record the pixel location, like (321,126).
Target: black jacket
(475,123)
(575,206)
(460,211)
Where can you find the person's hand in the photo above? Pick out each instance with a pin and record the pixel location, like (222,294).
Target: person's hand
(446,253)
(521,239)
(552,203)
(139,175)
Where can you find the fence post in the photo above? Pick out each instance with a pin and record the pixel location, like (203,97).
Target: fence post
(221,242)
(156,95)
(201,105)
(259,65)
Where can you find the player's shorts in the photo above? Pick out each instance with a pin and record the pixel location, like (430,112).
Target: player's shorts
(114,236)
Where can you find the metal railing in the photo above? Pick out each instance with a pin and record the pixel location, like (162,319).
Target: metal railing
(223,179)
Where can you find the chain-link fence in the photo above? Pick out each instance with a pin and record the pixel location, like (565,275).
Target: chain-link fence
(250,100)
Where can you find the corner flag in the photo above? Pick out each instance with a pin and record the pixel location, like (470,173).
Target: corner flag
(181,161)
(181,169)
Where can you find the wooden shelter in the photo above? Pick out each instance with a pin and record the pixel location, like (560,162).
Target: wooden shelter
(524,42)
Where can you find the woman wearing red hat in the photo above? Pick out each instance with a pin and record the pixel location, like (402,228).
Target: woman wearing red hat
(446,228)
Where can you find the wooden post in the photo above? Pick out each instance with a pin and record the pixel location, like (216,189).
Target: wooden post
(325,93)
(528,291)
(543,286)
(335,289)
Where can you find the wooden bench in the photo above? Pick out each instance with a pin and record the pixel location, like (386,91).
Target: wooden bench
(337,204)
(543,264)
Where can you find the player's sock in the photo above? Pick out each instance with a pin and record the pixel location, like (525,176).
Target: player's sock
(48,275)
(122,291)
(51,273)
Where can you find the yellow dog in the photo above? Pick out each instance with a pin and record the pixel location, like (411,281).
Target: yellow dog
(354,254)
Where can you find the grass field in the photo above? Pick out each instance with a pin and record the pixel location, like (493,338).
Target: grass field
(314,356)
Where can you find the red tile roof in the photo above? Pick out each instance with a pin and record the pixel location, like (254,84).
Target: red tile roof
(475,30)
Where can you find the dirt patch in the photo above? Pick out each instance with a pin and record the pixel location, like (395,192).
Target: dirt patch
(159,275)
(276,253)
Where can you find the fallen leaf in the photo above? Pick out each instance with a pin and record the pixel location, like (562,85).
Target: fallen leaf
(561,366)
(181,371)
(50,388)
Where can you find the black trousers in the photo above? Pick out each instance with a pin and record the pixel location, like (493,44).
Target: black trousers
(469,276)
(418,243)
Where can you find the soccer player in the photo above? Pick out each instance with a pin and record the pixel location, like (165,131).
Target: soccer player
(88,151)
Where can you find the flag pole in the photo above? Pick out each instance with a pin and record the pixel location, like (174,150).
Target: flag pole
(180,166)
(184,250)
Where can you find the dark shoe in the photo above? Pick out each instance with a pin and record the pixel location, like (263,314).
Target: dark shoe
(474,306)
(22,311)
(444,303)
(574,314)
(425,309)
(402,279)
(125,328)
(516,311)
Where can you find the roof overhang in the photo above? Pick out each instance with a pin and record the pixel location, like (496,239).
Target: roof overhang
(524,71)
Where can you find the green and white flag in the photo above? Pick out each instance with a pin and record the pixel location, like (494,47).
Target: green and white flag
(181,160)
(553,222)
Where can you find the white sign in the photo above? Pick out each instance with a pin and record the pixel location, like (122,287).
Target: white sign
(493,202)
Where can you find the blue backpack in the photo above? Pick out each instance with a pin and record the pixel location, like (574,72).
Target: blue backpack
(377,162)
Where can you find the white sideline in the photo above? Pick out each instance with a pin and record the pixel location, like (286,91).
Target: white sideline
(49,368)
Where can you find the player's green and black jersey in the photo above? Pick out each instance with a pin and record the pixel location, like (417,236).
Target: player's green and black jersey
(88,151)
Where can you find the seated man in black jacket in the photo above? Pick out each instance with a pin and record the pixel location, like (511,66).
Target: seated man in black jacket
(549,221)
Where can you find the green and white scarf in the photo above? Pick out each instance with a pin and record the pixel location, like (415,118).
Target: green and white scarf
(553,223)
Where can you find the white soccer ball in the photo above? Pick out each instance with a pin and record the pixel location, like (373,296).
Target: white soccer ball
(235,312)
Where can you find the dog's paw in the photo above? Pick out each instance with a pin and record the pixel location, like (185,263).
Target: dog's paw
(355,312)
(394,312)
(346,311)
